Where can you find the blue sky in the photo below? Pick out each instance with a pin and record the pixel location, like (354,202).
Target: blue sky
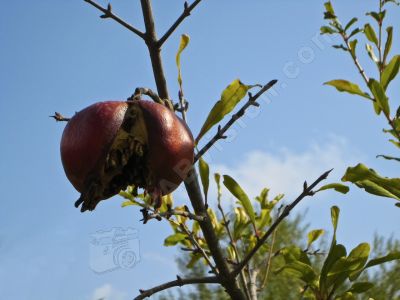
(59,56)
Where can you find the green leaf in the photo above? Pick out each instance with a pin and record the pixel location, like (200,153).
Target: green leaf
(354,32)
(341,47)
(347,86)
(388,45)
(129,203)
(335,211)
(358,258)
(391,71)
(182,45)
(379,94)
(338,187)
(397,144)
(205,176)
(370,34)
(351,22)
(294,253)
(230,97)
(371,53)
(301,270)
(329,7)
(329,13)
(313,236)
(167,202)
(336,252)
(346,296)
(360,287)
(377,16)
(174,239)
(238,192)
(353,47)
(328,30)
(374,184)
(263,198)
(217,178)
(195,257)
(350,266)
(380,260)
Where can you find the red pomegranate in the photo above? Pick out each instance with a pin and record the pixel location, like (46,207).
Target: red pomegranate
(110,145)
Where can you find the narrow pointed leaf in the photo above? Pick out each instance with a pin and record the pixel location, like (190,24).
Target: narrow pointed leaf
(391,71)
(174,239)
(351,22)
(371,53)
(182,45)
(374,184)
(370,34)
(360,287)
(347,86)
(338,187)
(205,176)
(335,211)
(380,260)
(353,46)
(238,192)
(314,235)
(217,178)
(230,97)
(388,45)
(379,94)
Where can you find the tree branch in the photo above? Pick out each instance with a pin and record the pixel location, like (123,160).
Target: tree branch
(154,49)
(307,191)
(220,134)
(178,282)
(168,214)
(186,13)
(192,181)
(109,14)
(233,244)
(199,249)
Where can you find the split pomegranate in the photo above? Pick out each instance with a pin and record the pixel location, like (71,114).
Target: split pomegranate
(110,145)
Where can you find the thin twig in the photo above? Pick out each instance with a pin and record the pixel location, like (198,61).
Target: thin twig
(200,249)
(186,12)
(169,213)
(221,130)
(269,258)
(59,117)
(109,14)
(233,244)
(175,283)
(307,191)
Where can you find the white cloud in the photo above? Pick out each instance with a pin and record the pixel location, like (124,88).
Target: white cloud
(107,292)
(284,171)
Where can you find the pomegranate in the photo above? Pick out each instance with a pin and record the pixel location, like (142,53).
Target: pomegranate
(110,145)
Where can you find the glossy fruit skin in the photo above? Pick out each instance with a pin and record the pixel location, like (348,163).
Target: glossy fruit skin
(87,138)
(171,145)
(89,135)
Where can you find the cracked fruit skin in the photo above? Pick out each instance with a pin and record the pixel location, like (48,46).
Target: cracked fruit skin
(110,145)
